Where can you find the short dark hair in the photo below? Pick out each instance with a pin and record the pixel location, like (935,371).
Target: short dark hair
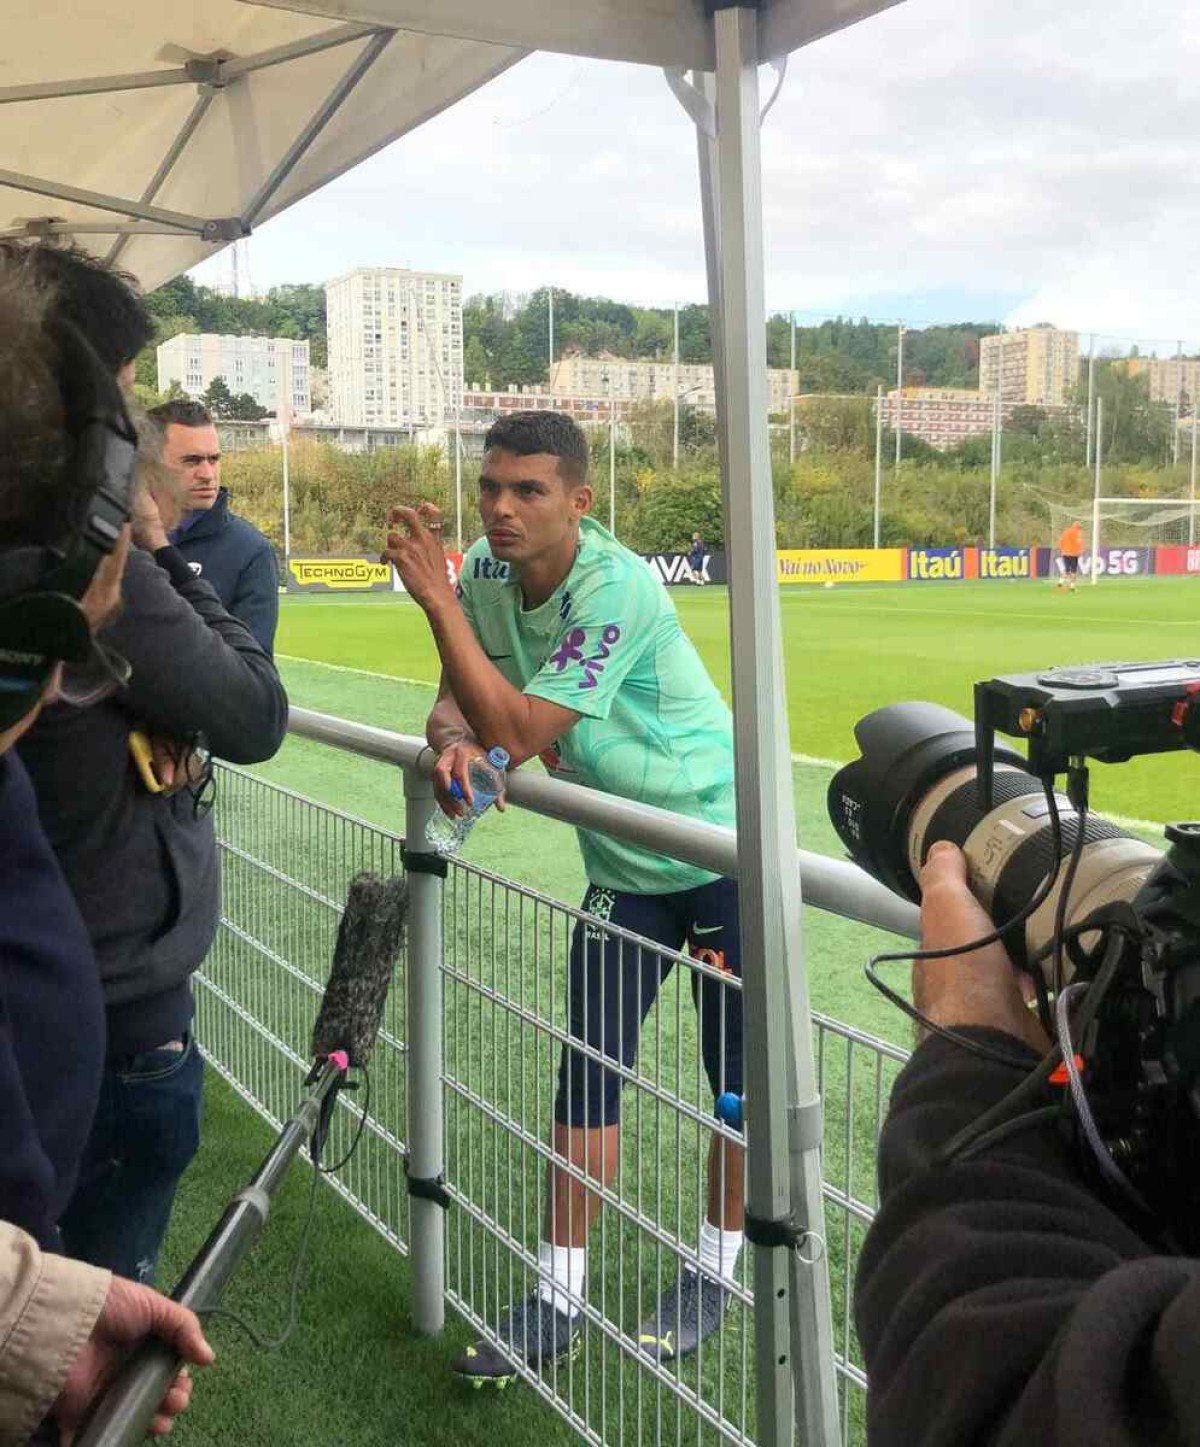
(527,433)
(105,304)
(181,411)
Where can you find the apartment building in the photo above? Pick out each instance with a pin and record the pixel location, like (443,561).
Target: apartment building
(275,371)
(655,381)
(395,347)
(1037,367)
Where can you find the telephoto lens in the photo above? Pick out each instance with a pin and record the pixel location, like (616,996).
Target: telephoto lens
(915,783)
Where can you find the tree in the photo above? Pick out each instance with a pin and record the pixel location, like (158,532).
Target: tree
(218,398)
(244,408)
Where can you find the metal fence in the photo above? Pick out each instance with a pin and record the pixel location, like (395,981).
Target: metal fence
(486,1072)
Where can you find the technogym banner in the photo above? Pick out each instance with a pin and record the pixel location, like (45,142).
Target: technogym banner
(339,575)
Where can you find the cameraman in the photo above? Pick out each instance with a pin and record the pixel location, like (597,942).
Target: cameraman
(63,494)
(998,1299)
(135,839)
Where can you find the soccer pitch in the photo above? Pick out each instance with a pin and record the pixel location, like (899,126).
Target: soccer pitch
(356,1372)
(847,650)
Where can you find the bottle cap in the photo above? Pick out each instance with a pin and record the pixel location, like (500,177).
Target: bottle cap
(498,757)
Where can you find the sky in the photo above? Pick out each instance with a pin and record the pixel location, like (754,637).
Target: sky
(1011,160)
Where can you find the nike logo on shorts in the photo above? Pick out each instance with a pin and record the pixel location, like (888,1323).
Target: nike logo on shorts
(711,929)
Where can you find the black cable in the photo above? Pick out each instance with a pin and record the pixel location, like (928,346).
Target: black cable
(316,1147)
(362,1125)
(1039,897)
(1042,1115)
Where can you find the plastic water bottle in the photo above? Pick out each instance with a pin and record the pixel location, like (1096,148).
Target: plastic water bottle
(487,782)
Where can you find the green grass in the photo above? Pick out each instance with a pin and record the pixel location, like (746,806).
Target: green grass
(356,1372)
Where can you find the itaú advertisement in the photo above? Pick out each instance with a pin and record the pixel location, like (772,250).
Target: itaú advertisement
(841,565)
(338,575)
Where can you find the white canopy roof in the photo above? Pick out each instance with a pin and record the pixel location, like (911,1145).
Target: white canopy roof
(168,128)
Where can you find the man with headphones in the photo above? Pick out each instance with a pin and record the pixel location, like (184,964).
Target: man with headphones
(66,478)
(124,791)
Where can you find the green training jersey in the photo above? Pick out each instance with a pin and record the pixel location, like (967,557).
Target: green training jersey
(607,644)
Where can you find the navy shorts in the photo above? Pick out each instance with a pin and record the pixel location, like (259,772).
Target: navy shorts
(612,984)
(1070,564)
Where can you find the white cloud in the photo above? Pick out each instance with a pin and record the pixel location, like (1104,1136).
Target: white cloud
(1009,154)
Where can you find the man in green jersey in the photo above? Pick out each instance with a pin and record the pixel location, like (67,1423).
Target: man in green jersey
(560,642)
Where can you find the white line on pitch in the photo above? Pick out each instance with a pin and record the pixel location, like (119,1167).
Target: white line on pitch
(812,761)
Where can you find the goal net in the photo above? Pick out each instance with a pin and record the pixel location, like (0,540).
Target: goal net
(1129,522)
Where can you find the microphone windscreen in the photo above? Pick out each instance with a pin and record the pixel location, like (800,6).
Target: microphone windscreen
(368,943)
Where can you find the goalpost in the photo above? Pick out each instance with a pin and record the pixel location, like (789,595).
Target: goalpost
(1121,523)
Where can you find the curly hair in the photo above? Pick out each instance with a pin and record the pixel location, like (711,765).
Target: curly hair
(102,302)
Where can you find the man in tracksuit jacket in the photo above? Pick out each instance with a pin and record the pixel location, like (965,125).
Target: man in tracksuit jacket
(226,551)
(143,869)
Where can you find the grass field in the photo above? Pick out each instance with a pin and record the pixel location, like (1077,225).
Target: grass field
(355,1373)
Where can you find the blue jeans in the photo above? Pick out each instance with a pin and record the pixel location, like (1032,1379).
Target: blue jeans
(147,1130)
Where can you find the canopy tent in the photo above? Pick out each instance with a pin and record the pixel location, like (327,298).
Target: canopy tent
(160,130)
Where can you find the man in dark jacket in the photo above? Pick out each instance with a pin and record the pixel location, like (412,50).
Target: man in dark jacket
(998,1298)
(65,475)
(139,851)
(226,551)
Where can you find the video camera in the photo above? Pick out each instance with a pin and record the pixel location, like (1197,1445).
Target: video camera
(1108,925)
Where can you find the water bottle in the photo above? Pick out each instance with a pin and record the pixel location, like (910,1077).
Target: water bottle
(445,834)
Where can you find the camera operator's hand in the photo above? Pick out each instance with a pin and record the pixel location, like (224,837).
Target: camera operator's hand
(981,988)
(454,762)
(149,531)
(131,1312)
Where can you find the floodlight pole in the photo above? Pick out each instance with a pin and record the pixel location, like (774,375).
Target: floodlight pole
(675,391)
(899,391)
(1096,493)
(796,1381)
(792,397)
(1178,403)
(1091,402)
(878,458)
(995,472)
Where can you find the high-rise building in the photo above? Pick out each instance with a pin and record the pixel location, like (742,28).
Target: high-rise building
(626,381)
(1038,367)
(273,370)
(395,347)
(942,416)
(1169,378)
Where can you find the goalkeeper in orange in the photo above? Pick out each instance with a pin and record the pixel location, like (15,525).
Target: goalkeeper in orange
(1070,548)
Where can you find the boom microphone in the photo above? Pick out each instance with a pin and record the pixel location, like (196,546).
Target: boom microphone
(368,943)
(369,940)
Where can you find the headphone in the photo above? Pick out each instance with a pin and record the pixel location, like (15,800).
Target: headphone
(41,620)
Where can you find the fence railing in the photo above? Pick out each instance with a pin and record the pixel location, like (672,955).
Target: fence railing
(463,1081)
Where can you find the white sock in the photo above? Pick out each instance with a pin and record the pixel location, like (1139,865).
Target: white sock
(561,1269)
(719,1250)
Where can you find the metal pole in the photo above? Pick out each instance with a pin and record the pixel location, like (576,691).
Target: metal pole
(423,999)
(792,397)
(287,505)
(899,389)
(995,472)
(1178,403)
(796,1382)
(124,1412)
(1099,448)
(612,460)
(878,458)
(1192,484)
(1091,402)
(458,493)
(675,391)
